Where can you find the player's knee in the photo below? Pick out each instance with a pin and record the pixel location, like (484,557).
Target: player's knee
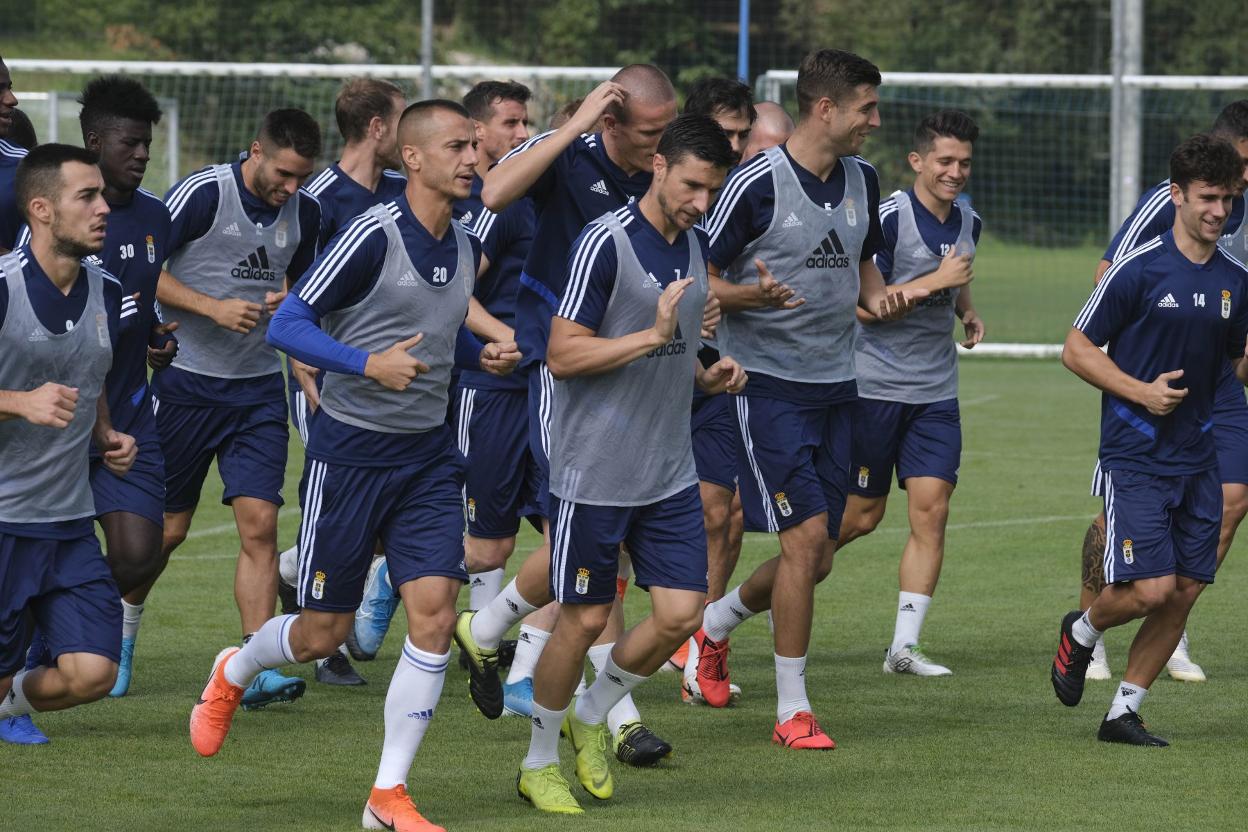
(482,555)
(172,538)
(132,568)
(1152,595)
(824,567)
(90,681)
(677,622)
(716,515)
(586,621)
(321,640)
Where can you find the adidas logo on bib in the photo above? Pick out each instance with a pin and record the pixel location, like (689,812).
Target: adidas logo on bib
(791,221)
(466,219)
(231,230)
(37,335)
(600,187)
(829,255)
(254,267)
(1168,302)
(408,279)
(652,282)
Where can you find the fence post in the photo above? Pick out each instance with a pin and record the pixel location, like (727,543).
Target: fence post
(426,48)
(743,41)
(1125,115)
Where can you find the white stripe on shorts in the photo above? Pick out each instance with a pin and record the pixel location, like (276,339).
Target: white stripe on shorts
(743,420)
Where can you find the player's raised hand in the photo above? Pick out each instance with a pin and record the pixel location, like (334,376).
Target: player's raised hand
(236,315)
(724,376)
(711,314)
(119,451)
(305,377)
(772,292)
(898,304)
(586,117)
(974,328)
(955,269)
(272,300)
(51,405)
(1160,399)
(394,368)
(500,357)
(669,302)
(160,357)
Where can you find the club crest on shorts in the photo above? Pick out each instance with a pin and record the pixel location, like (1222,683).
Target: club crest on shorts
(318,585)
(1128,553)
(864,476)
(151,249)
(582,581)
(280,237)
(1226,303)
(782,503)
(472,510)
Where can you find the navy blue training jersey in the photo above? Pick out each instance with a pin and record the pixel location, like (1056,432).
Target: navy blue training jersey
(192,205)
(338,281)
(10,218)
(939,236)
(342,199)
(1153,216)
(580,186)
(506,238)
(1159,312)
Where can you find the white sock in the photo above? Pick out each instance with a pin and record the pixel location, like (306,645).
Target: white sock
(625,710)
(288,566)
(609,687)
(911,610)
(790,687)
(268,648)
(410,702)
(1084,632)
(15,702)
(544,737)
(691,663)
(508,607)
(529,648)
(483,587)
(131,614)
(1128,698)
(723,616)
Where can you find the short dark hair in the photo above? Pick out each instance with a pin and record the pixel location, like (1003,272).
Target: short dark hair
(953,124)
(710,95)
(22,131)
(1232,122)
(421,109)
(293,128)
(564,114)
(113,97)
(39,173)
(832,74)
(699,136)
(1209,159)
(360,101)
(479,101)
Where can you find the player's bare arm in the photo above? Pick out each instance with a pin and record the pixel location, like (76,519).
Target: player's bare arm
(234,314)
(1101,268)
(724,376)
(511,178)
(395,368)
(576,350)
(50,404)
(1085,359)
(305,376)
(118,449)
(499,358)
(767,292)
(711,315)
(876,298)
(955,271)
(972,324)
(486,326)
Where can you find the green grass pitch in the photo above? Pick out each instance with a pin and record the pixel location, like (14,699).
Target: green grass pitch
(988,748)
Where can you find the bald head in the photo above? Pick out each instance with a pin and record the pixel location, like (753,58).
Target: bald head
(772,127)
(647,86)
(425,119)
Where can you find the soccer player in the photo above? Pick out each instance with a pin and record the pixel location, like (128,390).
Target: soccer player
(907,415)
(391,293)
(1153,216)
(60,318)
(1172,311)
(22,131)
(808,210)
(622,348)
(239,230)
(773,126)
(730,103)
(367,111)
(572,176)
(10,155)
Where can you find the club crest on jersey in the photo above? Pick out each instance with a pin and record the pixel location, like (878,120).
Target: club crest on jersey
(101,329)
(864,476)
(472,510)
(1226,303)
(782,503)
(1128,552)
(151,249)
(318,585)
(851,216)
(280,237)
(582,581)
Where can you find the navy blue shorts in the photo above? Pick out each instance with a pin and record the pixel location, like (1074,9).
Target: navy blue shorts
(713,425)
(666,543)
(416,510)
(62,586)
(1161,525)
(500,483)
(794,462)
(249,444)
(541,398)
(141,491)
(919,440)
